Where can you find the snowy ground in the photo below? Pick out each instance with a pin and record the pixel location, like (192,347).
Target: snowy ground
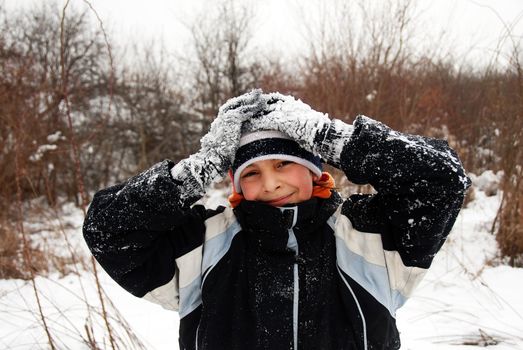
(467,301)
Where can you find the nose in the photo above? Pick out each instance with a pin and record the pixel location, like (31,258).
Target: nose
(271,183)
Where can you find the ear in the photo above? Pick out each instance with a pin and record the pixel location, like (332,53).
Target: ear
(231,176)
(314,177)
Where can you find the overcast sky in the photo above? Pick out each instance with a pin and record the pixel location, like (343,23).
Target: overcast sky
(279,24)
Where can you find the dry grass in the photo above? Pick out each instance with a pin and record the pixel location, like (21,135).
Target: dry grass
(10,266)
(510,221)
(11,261)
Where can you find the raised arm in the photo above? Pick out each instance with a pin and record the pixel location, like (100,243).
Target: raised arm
(420,181)
(138,228)
(420,186)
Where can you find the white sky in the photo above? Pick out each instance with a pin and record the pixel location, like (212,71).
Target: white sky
(279,25)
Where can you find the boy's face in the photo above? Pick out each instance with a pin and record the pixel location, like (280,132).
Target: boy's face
(277,182)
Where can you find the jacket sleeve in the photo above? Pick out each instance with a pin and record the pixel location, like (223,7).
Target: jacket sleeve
(137,229)
(420,186)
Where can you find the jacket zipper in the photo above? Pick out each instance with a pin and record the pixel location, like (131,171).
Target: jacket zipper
(295,298)
(293,245)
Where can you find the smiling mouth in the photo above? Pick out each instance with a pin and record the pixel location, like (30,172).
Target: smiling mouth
(279,201)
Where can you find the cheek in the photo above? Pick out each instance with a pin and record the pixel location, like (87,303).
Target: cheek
(306,190)
(249,191)
(303,180)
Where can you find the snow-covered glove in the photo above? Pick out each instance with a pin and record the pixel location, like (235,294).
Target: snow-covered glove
(313,130)
(218,146)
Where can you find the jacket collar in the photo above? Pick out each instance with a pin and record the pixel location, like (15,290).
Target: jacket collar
(268,226)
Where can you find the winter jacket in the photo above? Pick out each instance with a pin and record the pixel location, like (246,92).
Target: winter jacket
(322,274)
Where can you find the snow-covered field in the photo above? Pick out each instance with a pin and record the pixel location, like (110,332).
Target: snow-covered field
(467,300)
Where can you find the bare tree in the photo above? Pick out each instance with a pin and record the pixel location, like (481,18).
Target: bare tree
(509,124)
(359,53)
(150,121)
(224,64)
(32,81)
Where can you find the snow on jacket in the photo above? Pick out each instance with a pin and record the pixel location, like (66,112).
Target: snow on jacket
(323,274)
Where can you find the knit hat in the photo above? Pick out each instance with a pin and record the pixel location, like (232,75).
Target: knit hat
(270,144)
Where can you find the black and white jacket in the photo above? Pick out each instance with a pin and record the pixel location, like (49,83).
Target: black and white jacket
(324,274)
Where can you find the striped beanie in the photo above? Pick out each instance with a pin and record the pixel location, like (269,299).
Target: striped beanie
(270,144)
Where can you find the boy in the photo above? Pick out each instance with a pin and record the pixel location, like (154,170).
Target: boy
(292,265)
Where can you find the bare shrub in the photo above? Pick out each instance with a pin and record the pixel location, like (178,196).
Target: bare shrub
(149,121)
(358,59)
(31,91)
(10,251)
(508,122)
(510,220)
(224,65)
(510,215)
(54,77)
(361,60)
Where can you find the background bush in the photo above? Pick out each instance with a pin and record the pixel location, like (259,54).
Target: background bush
(127,116)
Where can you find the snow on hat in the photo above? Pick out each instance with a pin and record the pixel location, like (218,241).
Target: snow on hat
(270,144)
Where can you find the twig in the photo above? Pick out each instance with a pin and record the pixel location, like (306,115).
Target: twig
(76,158)
(26,254)
(111,65)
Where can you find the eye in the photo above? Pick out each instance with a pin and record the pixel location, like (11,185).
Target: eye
(284,163)
(249,173)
